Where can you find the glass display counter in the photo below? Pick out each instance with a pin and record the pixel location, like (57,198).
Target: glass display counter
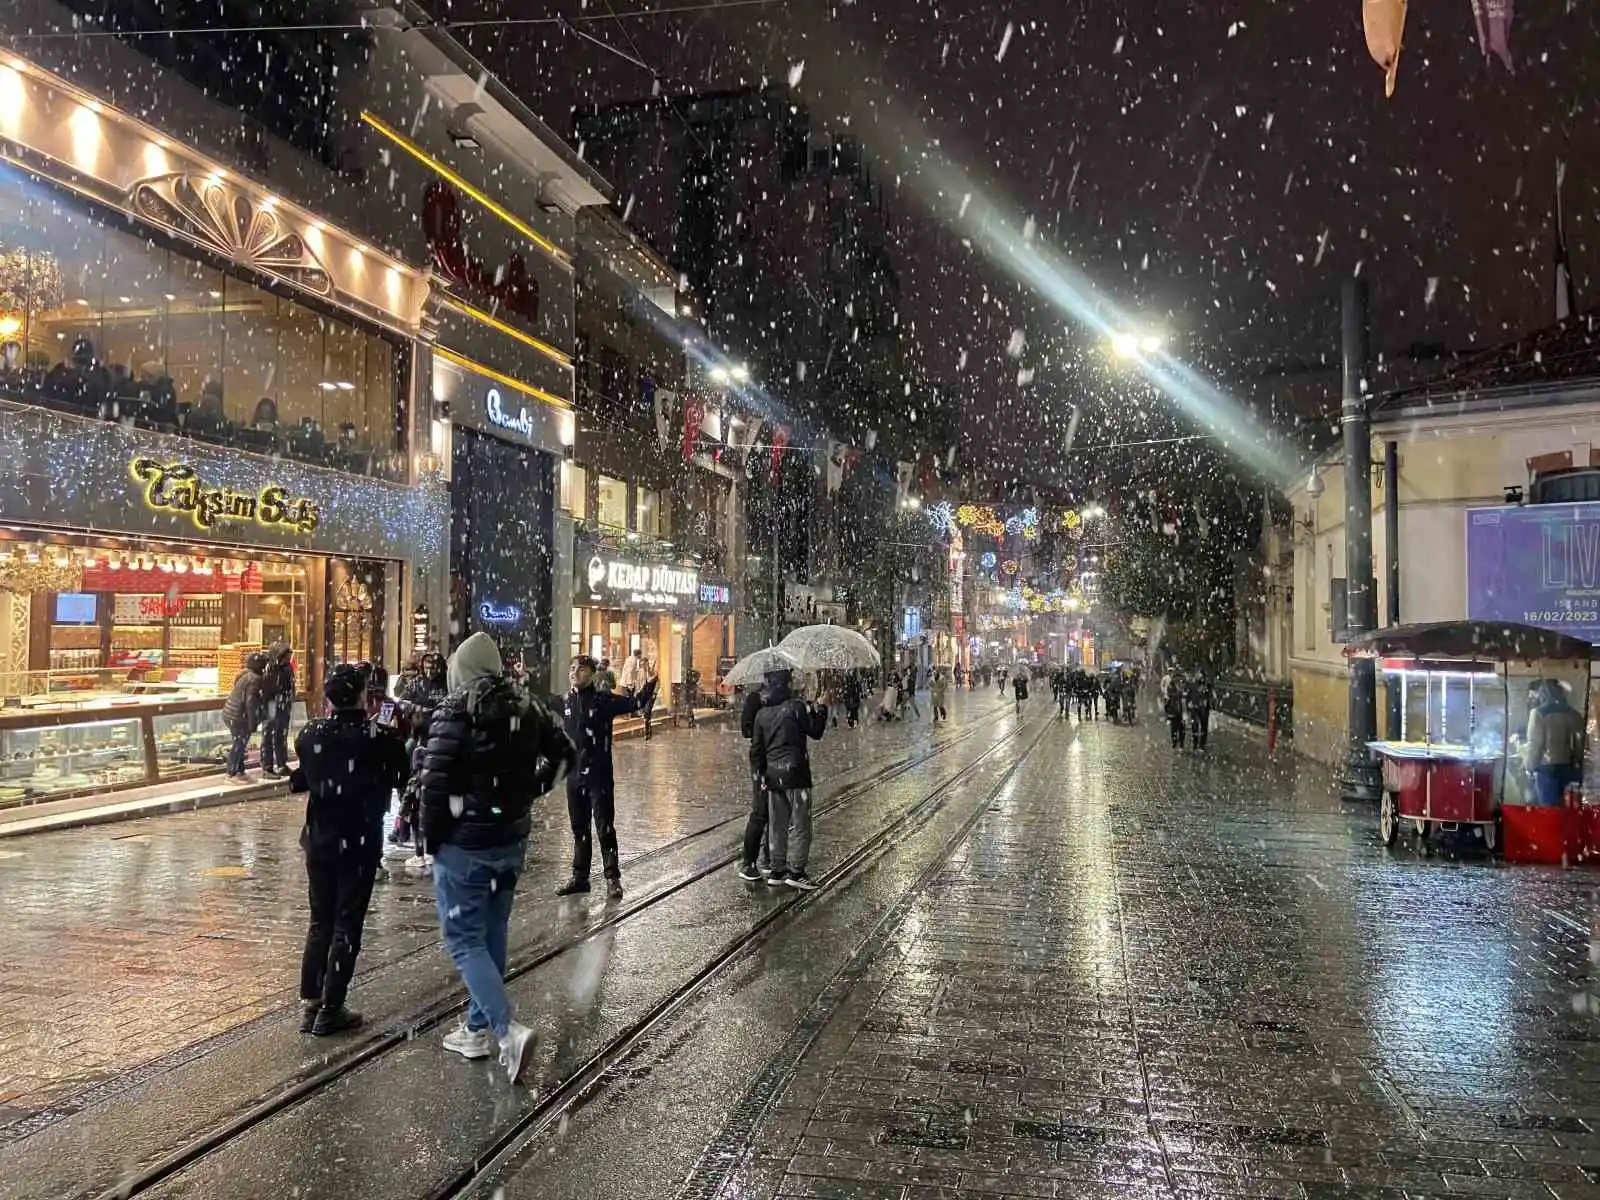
(110,744)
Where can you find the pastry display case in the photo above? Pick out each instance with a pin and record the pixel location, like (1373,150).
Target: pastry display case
(64,758)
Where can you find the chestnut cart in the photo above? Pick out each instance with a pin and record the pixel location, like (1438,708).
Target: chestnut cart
(1465,691)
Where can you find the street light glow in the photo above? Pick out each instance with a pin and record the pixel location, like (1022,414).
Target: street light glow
(719,374)
(1151,342)
(741,373)
(1124,345)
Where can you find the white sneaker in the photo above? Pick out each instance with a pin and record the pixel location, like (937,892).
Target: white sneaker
(469,1043)
(514,1050)
(419,862)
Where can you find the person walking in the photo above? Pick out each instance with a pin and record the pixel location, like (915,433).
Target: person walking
(241,713)
(1019,685)
(348,767)
(1002,680)
(938,694)
(779,750)
(1173,706)
(605,678)
(1197,698)
(492,750)
(637,672)
(852,692)
(1061,688)
(591,786)
(277,703)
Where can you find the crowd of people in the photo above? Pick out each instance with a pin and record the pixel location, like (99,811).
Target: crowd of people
(467,748)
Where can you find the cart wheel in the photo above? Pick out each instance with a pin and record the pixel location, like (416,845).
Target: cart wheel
(1424,837)
(1388,822)
(1491,834)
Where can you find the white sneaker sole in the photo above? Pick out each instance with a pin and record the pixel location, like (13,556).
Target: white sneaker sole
(472,1055)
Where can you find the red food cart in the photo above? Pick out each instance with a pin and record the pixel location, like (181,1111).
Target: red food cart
(1466,689)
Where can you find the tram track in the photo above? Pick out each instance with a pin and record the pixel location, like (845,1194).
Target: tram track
(306,1086)
(521,1135)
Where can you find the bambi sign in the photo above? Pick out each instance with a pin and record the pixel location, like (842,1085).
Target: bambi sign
(177,487)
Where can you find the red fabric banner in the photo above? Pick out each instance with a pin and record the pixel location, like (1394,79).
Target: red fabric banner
(780,441)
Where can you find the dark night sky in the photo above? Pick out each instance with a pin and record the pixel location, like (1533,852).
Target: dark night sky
(1220,165)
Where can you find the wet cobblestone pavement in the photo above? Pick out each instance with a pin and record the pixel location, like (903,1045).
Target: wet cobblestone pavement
(121,943)
(1081,966)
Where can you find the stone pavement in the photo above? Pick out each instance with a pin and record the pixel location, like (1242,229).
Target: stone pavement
(1186,976)
(1142,974)
(122,943)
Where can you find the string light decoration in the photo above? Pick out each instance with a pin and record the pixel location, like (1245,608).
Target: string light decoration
(77,470)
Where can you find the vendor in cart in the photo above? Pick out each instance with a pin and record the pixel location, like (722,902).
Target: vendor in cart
(1553,753)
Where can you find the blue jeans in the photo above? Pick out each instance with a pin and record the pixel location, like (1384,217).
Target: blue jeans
(1550,783)
(241,743)
(475,889)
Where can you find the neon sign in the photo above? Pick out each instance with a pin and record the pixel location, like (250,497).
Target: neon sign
(177,487)
(499,614)
(521,423)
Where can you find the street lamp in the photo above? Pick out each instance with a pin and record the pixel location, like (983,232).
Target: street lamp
(1129,344)
(911,502)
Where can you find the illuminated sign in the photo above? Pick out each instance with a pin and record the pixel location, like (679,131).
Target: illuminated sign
(499,614)
(494,406)
(645,584)
(178,487)
(716,593)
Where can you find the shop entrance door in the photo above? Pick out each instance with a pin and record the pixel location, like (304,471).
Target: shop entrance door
(355,611)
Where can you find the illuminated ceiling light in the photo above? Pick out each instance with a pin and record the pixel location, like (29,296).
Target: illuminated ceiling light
(328,386)
(215,295)
(741,373)
(1124,345)
(344,385)
(1151,342)
(170,297)
(13,95)
(720,374)
(10,326)
(124,299)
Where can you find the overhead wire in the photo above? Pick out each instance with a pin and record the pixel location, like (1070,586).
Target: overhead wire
(446,24)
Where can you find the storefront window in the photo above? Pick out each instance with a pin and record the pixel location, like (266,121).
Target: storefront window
(612,507)
(97,320)
(575,490)
(651,516)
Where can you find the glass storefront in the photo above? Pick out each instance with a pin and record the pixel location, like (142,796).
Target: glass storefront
(116,654)
(99,320)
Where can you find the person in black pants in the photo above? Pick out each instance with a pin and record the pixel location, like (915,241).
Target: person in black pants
(1198,700)
(591,787)
(277,702)
(348,766)
(757,859)
(1172,705)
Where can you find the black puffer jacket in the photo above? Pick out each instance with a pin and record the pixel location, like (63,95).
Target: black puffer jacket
(492,751)
(348,767)
(778,750)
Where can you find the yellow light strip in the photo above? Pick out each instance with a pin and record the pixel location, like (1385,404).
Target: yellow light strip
(477,314)
(501,377)
(444,172)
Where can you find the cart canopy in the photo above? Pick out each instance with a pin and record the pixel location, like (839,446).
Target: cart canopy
(1492,641)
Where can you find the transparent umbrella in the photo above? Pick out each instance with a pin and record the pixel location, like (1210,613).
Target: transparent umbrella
(750,669)
(829,648)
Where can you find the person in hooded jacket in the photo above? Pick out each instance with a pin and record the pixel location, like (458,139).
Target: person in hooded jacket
(421,688)
(348,766)
(1553,751)
(779,751)
(492,750)
(591,787)
(277,702)
(241,713)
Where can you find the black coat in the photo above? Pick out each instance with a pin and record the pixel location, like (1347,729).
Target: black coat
(277,689)
(588,713)
(348,767)
(241,711)
(778,750)
(491,752)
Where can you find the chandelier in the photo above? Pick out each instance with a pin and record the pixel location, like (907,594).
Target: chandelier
(29,279)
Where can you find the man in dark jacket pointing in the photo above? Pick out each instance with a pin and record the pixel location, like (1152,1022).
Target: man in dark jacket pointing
(778,751)
(591,787)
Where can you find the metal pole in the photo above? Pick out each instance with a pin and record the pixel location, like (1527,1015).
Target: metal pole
(777,576)
(1391,567)
(1362,780)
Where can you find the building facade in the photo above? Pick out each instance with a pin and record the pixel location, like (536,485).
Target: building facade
(265,382)
(1466,442)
